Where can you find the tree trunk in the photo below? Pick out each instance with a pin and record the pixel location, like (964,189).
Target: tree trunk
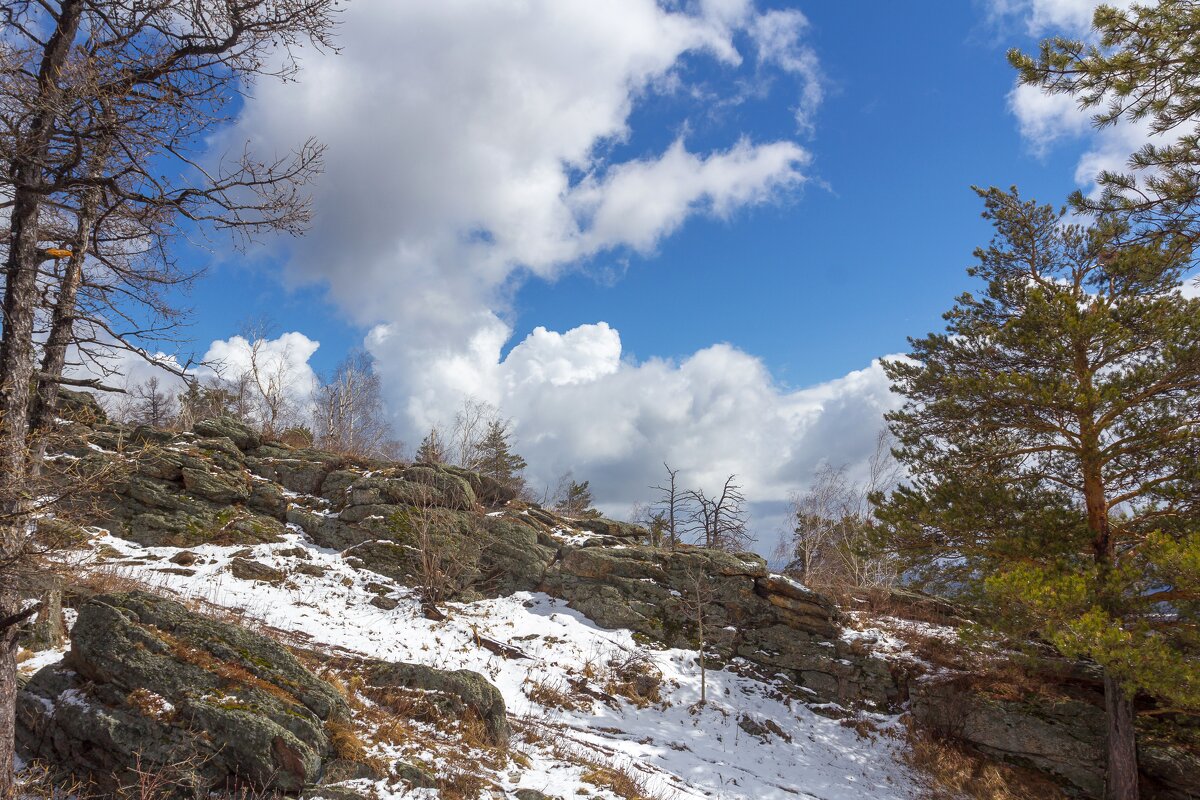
(1121,782)
(62,324)
(17,355)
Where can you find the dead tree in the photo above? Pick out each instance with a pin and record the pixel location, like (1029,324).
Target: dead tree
(720,521)
(669,507)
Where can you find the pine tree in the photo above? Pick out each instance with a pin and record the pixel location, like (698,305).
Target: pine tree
(496,458)
(1145,67)
(432,449)
(577,500)
(1051,438)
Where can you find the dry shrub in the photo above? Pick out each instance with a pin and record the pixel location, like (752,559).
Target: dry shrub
(621,782)
(951,771)
(634,676)
(345,742)
(108,580)
(462,784)
(553,694)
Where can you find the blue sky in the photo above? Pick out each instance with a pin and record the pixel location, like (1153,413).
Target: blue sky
(816,283)
(648,231)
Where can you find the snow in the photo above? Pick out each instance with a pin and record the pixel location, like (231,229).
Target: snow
(677,749)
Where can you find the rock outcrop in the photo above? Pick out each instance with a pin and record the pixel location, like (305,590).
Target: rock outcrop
(1058,733)
(151,686)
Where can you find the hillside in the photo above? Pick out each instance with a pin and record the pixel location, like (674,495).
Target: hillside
(249,616)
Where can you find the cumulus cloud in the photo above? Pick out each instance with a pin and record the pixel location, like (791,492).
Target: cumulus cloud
(283,360)
(472,145)
(578,405)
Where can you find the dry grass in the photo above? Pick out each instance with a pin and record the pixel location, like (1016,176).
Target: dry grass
(554,693)
(622,782)
(951,771)
(108,579)
(634,677)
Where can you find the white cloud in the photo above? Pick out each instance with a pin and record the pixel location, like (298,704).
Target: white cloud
(1045,120)
(283,360)
(577,405)
(471,147)
(778,35)
(1042,17)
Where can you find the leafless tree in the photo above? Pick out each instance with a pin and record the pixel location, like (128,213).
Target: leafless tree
(270,376)
(696,604)
(720,521)
(669,506)
(442,558)
(471,425)
(153,406)
(105,106)
(349,413)
(831,543)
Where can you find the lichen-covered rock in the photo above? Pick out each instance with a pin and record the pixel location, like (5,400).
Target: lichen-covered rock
(250,570)
(1063,736)
(148,682)
(608,527)
(241,434)
(218,487)
(767,620)
(454,691)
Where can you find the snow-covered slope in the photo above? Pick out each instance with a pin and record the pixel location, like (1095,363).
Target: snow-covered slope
(572,732)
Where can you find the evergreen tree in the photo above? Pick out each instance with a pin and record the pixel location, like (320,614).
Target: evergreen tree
(432,449)
(496,458)
(1050,436)
(1145,67)
(577,500)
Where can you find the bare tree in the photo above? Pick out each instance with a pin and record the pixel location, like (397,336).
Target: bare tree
(443,559)
(269,375)
(670,506)
(832,542)
(696,604)
(146,81)
(720,521)
(349,415)
(152,405)
(471,425)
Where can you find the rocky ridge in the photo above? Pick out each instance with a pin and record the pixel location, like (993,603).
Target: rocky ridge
(220,485)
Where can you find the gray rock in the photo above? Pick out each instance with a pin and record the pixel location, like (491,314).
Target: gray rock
(146,679)
(242,435)
(457,690)
(249,570)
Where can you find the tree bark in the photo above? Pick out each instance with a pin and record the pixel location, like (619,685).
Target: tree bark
(17,354)
(62,324)
(1121,780)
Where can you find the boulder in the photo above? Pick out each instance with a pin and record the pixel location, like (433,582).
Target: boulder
(249,570)
(149,684)
(455,691)
(238,432)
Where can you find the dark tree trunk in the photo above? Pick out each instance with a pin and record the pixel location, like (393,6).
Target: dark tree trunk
(17,356)
(62,324)
(1121,781)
